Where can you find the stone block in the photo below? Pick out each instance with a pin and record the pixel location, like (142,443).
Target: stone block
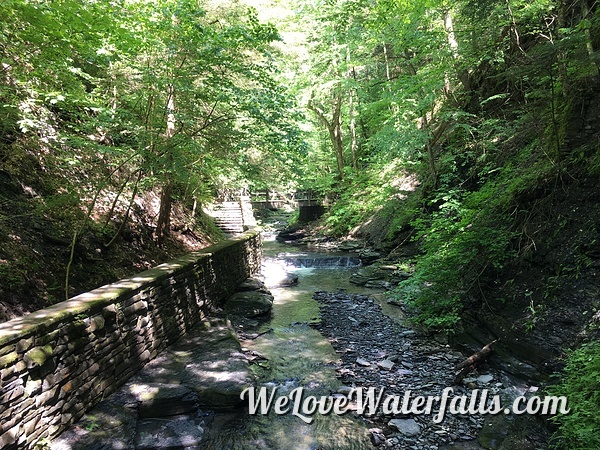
(46,398)
(74,329)
(8,360)
(96,323)
(9,437)
(11,394)
(47,339)
(25,344)
(33,387)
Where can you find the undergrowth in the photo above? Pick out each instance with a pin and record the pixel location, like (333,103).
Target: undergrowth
(580,429)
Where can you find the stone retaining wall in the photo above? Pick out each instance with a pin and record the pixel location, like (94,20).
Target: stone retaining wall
(59,362)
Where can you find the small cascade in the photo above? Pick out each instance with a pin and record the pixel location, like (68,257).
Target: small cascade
(323,262)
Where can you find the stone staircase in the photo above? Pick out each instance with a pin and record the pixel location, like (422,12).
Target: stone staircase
(233,217)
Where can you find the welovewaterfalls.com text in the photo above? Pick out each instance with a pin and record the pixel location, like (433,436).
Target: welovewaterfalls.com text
(371,401)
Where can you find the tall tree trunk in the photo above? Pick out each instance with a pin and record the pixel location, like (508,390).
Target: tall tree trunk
(334,128)
(336,135)
(462,74)
(163,223)
(353,139)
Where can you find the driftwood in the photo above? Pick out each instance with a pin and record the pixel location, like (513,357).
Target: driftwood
(472,361)
(255,335)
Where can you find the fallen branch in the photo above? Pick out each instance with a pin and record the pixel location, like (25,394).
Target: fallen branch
(256,335)
(472,362)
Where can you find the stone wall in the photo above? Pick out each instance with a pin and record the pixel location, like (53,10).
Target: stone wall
(59,362)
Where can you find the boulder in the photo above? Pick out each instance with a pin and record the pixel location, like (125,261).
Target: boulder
(291,279)
(249,304)
(252,284)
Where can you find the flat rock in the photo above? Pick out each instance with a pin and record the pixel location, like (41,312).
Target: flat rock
(378,284)
(363,362)
(407,427)
(249,304)
(485,379)
(386,364)
(206,365)
(177,433)
(162,400)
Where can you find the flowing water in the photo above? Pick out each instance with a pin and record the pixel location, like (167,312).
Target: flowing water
(296,356)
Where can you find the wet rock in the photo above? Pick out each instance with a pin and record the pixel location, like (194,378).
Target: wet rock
(376,276)
(408,427)
(252,284)
(485,379)
(180,432)
(162,400)
(350,245)
(369,256)
(378,284)
(290,235)
(249,304)
(291,279)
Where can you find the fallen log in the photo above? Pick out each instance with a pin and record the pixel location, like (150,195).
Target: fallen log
(472,362)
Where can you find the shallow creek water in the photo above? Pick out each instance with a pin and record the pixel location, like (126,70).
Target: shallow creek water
(296,356)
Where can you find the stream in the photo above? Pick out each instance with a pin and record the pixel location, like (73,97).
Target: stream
(295,355)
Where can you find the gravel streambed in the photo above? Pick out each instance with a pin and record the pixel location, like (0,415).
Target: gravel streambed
(378,352)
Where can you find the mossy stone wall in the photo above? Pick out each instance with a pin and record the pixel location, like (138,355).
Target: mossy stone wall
(59,362)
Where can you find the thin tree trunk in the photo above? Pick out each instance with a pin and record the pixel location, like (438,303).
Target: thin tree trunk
(336,133)
(353,140)
(163,224)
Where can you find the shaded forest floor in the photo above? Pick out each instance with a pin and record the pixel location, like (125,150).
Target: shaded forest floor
(36,235)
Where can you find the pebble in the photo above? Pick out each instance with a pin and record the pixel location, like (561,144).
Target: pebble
(485,379)
(386,364)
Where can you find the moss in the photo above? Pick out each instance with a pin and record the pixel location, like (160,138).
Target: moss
(36,357)
(8,360)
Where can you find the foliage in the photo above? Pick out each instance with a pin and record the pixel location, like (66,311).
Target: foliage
(580,429)
(90,87)
(481,101)
(462,236)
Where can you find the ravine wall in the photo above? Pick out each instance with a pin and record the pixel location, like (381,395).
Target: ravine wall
(59,362)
